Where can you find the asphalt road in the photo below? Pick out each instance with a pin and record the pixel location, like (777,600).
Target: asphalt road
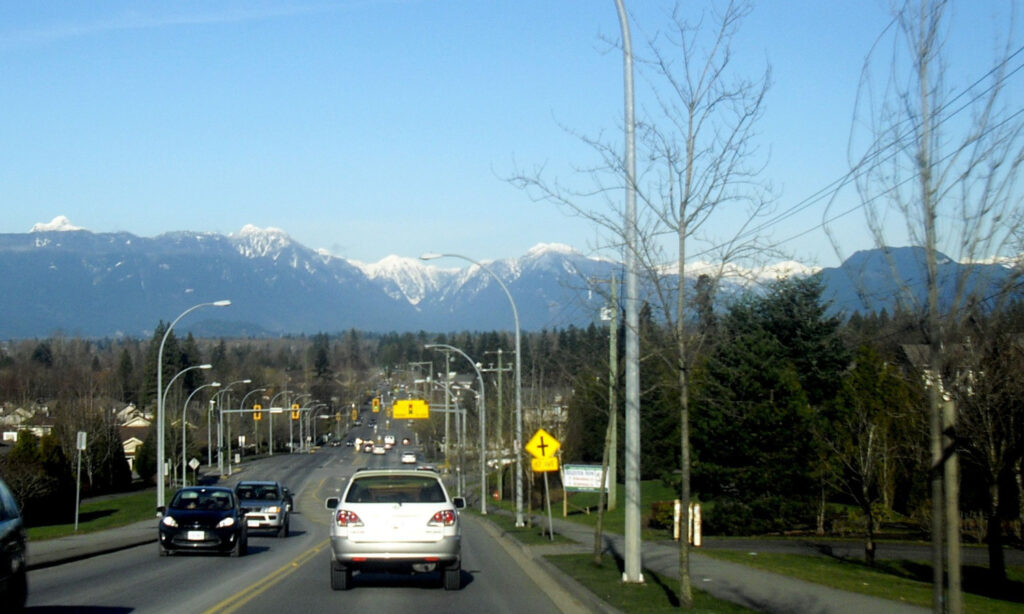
(286,574)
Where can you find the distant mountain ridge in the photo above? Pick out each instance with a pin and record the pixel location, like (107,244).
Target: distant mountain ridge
(63,279)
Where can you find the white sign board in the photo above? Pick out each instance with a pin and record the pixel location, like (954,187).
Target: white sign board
(80,441)
(583,478)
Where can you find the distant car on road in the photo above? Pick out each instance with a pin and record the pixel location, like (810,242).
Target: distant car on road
(267,505)
(13,573)
(395,520)
(203,518)
(408,458)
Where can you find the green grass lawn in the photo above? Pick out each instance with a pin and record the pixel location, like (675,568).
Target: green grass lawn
(102,513)
(905,581)
(656,595)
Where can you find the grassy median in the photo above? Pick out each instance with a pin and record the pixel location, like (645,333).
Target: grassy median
(102,513)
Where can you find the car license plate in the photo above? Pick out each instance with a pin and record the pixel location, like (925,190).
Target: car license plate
(253,523)
(196,536)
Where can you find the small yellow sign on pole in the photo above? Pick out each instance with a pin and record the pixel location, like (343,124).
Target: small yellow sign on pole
(544,464)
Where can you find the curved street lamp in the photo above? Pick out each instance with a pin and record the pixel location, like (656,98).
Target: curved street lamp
(481,415)
(160,397)
(220,425)
(519,382)
(302,439)
(184,409)
(160,460)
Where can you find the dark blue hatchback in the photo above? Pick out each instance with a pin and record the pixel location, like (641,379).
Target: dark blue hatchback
(203,518)
(13,577)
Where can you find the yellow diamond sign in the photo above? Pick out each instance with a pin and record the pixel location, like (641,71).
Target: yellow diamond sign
(542,444)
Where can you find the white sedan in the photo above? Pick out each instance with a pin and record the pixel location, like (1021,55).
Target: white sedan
(409,458)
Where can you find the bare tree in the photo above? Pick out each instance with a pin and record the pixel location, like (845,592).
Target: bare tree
(703,165)
(939,170)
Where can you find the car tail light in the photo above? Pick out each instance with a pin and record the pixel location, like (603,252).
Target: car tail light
(345,518)
(443,518)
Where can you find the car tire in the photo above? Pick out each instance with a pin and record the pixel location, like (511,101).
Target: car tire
(163,551)
(241,547)
(284,530)
(341,578)
(17,593)
(451,577)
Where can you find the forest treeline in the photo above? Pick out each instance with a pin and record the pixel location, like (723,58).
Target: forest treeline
(800,420)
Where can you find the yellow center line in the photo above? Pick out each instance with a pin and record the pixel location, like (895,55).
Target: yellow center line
(247,594)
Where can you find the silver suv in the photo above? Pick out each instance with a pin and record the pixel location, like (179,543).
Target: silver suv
(267,505)
(395,520)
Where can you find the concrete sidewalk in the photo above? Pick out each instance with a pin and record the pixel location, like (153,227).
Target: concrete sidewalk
(753,588)
(49,552)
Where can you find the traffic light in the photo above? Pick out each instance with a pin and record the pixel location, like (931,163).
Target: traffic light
(257,415)
(295,414)
(376,404)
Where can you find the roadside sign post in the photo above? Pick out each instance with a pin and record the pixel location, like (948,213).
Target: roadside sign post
(543,447)
(80,446)
(194,466)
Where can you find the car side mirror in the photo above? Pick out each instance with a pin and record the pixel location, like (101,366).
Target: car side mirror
(459,502)
(331,503)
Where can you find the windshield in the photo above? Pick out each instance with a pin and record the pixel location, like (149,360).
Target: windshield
(395,489)
(202,500)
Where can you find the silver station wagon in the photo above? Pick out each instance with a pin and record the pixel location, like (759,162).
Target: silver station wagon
(395,520)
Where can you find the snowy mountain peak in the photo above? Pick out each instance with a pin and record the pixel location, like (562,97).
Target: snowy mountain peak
(542,249)
(58,224)
(392,266)
(255,242)
(403,278)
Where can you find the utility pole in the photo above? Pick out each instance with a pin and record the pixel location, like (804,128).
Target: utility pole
(501,419)
(613,388)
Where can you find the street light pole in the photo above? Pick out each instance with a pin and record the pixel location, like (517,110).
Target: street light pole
(242,406)
(481,415)
(517,445)
(160,397)
(184,410)
(633,571)
(302,439)
(220,423)
(160,459)
(270,421)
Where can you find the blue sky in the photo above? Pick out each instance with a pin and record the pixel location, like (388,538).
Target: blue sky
(370,128)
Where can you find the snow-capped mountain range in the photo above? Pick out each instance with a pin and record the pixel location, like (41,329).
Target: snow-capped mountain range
(60,278)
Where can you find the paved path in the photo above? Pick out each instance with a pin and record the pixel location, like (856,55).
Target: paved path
(760,590)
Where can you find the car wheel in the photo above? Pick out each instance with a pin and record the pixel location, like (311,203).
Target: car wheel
(163,551)
(452,578)
(17,593)
(240,548)
(341,578)
(284,530)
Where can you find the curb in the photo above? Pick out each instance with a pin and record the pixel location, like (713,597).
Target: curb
(569,595)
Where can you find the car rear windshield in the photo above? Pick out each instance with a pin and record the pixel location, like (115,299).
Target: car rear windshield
(268,493)
(395,489)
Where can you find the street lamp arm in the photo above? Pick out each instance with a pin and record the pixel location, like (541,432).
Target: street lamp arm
(160,396)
